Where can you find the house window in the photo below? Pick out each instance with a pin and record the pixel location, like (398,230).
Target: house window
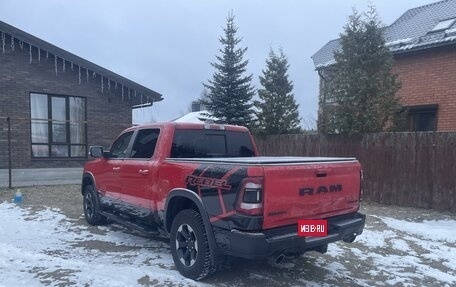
(58,126)
(422,118)
(443,25)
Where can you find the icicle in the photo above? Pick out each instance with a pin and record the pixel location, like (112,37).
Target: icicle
(129,94)
(30,53)
(71,65)
(3,42)
(141,99)
(87,75)
(115,85)
(109,84)
(47,55)
(79,74)
(21,44)
(63,66)
(135,93)
(12,43)
(55,64)
(122,94)
(94,75)
(102,85)
(39,55)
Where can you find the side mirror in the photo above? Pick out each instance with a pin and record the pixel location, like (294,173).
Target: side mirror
(107,154)
(96,151)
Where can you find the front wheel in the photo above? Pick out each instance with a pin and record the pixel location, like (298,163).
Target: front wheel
(189,245)
(91,205)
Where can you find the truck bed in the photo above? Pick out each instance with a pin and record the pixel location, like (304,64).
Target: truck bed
(293,187)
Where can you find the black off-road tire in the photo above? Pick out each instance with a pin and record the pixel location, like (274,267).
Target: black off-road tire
(189,245)
(91,204)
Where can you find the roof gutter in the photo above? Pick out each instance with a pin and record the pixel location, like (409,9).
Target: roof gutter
(58,54)
(423,47)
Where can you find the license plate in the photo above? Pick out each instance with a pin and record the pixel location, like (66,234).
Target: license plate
(313,227)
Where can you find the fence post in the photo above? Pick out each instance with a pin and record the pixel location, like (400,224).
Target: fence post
(8,120)
(433,174)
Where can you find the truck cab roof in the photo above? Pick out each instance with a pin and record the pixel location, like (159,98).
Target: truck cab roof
(191,126)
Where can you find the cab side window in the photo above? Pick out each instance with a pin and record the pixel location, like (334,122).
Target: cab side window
(145,142)
(119,148)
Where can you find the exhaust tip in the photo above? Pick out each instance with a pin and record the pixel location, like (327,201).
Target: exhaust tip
(276,259)
(322,249)
(279,259)
(350,239)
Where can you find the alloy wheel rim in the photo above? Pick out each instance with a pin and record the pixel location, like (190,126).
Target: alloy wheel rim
(186,245)
(89,205)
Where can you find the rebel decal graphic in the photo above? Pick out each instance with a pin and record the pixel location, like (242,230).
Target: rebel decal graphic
(193,180)
(217,185)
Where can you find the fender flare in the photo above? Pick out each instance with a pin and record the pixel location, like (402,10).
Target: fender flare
(182,192)
(88,175)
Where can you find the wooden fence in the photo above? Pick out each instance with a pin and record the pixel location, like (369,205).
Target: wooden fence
(407,169)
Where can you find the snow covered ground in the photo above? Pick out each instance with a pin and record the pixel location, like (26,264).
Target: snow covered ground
(44,247)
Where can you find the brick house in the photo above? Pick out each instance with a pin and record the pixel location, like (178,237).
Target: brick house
(423,44)
(58,104)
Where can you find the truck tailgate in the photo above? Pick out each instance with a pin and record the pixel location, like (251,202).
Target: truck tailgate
(309,191)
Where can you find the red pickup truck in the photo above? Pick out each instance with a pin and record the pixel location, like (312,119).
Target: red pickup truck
(205,187)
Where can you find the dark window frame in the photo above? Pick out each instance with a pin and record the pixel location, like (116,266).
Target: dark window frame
(414,111)
(50,121)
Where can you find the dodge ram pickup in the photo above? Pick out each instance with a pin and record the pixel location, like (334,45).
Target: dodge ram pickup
(205,187)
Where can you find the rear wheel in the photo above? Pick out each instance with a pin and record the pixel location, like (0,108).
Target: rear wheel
(189,245)
(91,204)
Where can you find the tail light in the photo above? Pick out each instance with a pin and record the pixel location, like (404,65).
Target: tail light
(250,200)
(361,180)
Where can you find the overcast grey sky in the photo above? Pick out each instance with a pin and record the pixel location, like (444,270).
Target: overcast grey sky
(167,45)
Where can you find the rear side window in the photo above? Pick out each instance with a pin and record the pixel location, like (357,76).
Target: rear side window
(209,143)
(145,142)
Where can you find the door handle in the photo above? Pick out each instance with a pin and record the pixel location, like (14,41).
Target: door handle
(116,168)
(321,172)
(144,171)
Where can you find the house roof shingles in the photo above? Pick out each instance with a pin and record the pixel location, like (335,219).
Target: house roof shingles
(19,35)
(410,32)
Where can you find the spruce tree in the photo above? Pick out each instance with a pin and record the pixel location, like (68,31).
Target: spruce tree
(230,92)
(277,109)
(360,89)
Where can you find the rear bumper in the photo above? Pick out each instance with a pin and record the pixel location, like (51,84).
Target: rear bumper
(257,245)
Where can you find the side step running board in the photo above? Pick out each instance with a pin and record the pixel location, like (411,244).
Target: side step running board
(132,225)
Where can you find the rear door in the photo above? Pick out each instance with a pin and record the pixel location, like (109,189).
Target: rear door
(309,191)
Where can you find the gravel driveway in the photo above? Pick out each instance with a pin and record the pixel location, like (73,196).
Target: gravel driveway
(46,241)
